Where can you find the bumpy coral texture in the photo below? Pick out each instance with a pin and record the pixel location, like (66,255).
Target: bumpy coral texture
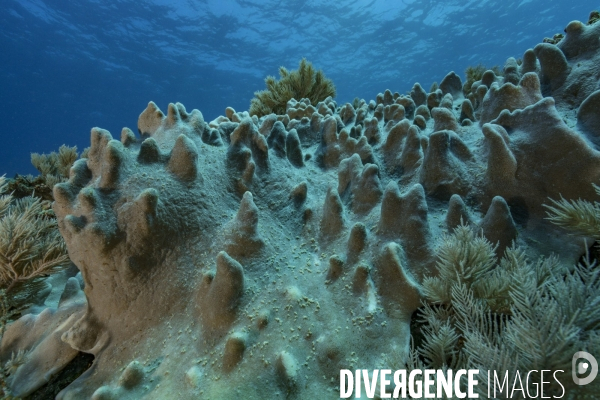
(258,256)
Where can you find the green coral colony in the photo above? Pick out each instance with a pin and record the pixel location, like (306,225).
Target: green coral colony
(258,254)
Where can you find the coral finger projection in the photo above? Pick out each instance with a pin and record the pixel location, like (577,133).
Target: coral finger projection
(256,257)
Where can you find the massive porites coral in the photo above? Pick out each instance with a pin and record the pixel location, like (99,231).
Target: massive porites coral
(257,257)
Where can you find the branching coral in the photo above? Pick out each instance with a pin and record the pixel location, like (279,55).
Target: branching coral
(55,166)
(508,316)
(469,260)
(304,82)
(579,216)
(30,247)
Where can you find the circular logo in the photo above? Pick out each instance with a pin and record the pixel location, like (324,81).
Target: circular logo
(583,363)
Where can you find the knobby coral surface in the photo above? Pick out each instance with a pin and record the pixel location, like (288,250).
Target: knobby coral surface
(259,256)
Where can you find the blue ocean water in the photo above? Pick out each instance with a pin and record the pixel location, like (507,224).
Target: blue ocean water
(69,66)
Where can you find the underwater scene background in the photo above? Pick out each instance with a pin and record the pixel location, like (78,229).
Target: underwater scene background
(350,190)
(69,66)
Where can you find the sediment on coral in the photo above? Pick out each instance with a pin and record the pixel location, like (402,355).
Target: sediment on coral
(269,249)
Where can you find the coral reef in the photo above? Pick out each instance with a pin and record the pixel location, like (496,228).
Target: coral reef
(258,254)
(55,163)
(579,216)
(27,185)
(474,73)
(38,337)
(594,17)
(556,38)
(507,315)
(302,83)
(53,168)
(31,248)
